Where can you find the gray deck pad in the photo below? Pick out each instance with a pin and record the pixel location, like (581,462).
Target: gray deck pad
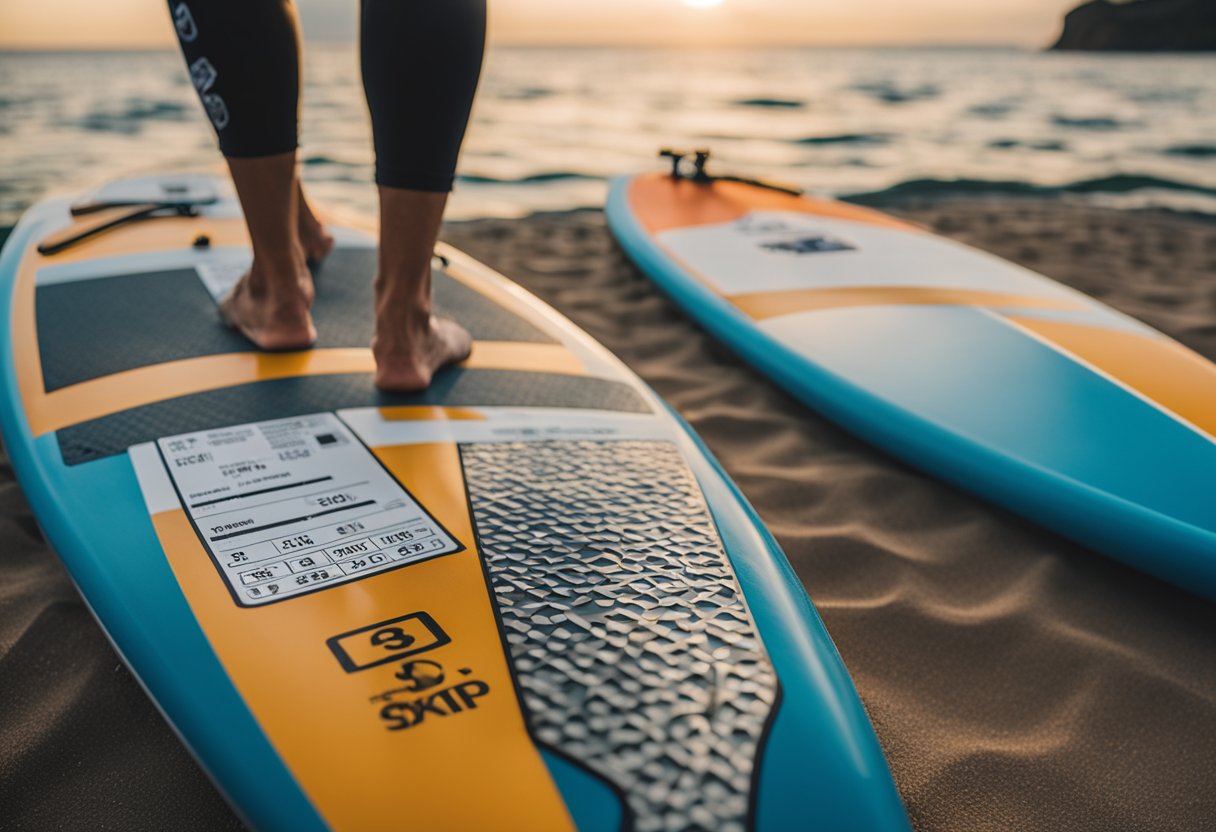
(93,328)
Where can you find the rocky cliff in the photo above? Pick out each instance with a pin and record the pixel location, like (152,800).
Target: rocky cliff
(1141,26)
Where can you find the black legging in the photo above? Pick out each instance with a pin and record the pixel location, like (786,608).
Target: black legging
(420,58)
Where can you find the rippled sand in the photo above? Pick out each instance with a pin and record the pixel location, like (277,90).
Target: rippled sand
(1016,681)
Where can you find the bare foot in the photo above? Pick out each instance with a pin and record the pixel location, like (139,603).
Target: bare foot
(315,240)
(410,343)
(272,319)
(408,355)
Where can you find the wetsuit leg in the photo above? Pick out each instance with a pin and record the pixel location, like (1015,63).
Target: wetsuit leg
(244,61)
(421,60)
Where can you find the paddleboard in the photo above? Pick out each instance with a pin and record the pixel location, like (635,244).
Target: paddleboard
(525,599)
(981,372)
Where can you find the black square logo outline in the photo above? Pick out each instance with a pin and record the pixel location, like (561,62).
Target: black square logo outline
(350,666)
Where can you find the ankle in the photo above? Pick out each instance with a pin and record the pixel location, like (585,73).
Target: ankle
(277,287)
(403,303)
(281,260)
(405,326)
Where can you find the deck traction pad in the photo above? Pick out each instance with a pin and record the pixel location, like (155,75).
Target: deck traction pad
(93,328)
(628,635)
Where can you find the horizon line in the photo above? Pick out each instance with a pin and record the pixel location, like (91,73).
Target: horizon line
(961,45)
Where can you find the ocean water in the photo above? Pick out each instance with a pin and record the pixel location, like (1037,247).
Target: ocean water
(551,126)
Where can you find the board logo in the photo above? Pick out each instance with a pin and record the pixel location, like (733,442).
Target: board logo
(424,690)
(387,641)
(427,693)
(782,237)
(813,244)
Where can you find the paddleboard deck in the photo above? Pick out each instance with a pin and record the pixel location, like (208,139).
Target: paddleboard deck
(526,598)
(981,372)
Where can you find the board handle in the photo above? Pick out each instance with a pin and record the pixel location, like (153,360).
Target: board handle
(700,158)
(58,241)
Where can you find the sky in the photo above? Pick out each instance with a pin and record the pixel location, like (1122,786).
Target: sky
(115,24)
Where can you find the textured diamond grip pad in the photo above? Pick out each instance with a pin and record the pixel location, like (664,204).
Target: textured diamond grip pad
(630,641)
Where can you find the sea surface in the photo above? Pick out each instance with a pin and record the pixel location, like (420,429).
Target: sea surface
(551,126)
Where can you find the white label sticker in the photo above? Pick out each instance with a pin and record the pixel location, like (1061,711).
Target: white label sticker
(296,505)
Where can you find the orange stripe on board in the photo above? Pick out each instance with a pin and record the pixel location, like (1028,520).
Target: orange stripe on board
(429,413)
(157,382)
(521,355)
(1163,371)
(156,234)
(99,397)
(24,328)
(473,767)
(661,203)
(762,305)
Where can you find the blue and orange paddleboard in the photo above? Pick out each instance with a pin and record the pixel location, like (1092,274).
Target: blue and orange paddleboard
(526,599)
(986,374)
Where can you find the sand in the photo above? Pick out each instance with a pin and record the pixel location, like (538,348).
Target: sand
(1016,681)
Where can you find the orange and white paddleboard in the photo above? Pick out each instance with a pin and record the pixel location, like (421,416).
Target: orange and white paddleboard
(993,377)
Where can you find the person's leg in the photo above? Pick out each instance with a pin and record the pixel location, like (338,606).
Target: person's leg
(270,304)
(410,343)
(243,59)
(314,239)
(421,62)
